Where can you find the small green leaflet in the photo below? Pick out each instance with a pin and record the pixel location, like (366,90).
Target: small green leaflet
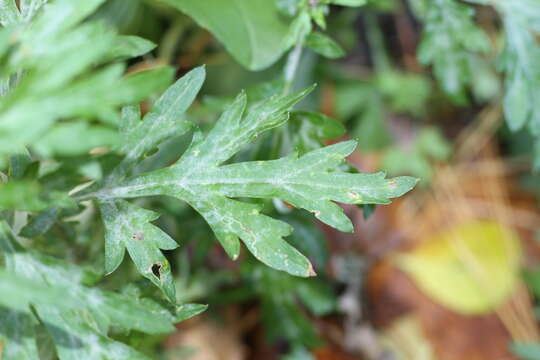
(311,182)
(451,42)
(324,45)
(76,316)
(164,121)
(128,226)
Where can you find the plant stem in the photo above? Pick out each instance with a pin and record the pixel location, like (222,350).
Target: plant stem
(379,55)
(170,40)
(292,65)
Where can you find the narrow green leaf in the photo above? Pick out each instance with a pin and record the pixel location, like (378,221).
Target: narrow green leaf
(40,224)
(325,46)
(187,311)
(134,88)
(18,163)
(125,47)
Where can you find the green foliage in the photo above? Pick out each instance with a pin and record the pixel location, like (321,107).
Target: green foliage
(82,158)
(323,45)
(311,182)
(518,61)
(251,30)
(452,43)
(93,163)
(67,74)
(417,160)
(76,316)
(366,104)
(257,34)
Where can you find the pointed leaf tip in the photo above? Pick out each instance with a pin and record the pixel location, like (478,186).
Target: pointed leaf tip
(311,271)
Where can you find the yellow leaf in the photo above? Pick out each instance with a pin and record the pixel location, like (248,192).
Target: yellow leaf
(471,269)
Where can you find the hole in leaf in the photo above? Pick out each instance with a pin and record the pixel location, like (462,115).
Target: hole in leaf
(156,270)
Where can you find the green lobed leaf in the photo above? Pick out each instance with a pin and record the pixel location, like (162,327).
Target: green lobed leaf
(518,60)
(451,42)
(312,182)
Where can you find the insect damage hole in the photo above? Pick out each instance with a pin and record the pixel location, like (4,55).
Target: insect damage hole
(156,270)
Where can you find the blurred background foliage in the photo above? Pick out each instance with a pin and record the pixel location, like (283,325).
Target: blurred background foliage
(443,90)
